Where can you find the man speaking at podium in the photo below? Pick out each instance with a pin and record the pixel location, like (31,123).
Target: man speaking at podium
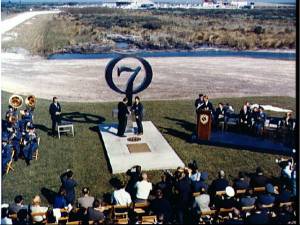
(207,105)
(55,111)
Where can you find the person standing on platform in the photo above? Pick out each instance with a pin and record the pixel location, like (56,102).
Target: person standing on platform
(122,117)
(138,110)
(207,105)
(55,112)
(199,102)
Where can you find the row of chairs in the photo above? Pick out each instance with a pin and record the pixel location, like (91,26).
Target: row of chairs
(118,213)
(35,156)
(239,191)
(222,214)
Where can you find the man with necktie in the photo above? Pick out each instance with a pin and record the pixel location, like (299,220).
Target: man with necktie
(55,112)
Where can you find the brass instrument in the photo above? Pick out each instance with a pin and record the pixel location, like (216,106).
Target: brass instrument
(15,101)
(30,102)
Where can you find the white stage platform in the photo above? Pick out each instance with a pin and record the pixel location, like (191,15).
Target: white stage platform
(162,155)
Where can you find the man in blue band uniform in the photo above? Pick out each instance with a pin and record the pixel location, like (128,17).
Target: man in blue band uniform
(122,117)
(55,111)
(138,110)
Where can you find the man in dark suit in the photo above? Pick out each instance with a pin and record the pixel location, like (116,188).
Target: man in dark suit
(138,111)
(55,111)
(241,183)
(219,114)
(219,184)
(207,104)
(69,184)
(259,180)
(122,117)
(199,102)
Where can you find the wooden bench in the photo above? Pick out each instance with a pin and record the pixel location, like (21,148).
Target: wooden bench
(149,219)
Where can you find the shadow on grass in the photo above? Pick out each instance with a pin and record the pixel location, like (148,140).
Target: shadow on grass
(42,128)
(178,134)
(96,129)
(77,117)
(49,195)
(188,126)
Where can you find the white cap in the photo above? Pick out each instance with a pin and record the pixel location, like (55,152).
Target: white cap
(4,205)
(229,191)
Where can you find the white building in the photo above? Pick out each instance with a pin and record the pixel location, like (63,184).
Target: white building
(239,3)
(130,4)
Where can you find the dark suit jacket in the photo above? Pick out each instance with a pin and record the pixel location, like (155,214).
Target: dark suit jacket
(259,181)
(266,199)
(69,184)
(138,110)
(207,106)
(219,185)
(122,110)
(240,184)
(53,110)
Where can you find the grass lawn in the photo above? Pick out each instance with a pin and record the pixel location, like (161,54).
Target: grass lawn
(85,155)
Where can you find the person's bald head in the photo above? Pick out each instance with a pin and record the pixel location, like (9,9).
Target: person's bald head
(144,176)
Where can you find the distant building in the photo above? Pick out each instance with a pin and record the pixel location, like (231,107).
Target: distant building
(239,3)
(130,4)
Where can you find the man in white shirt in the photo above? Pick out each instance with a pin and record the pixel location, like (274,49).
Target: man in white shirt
(120,196)
(143,189)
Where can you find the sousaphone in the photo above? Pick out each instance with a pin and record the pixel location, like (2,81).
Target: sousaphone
(15,101)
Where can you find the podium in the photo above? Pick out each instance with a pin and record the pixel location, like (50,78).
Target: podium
(204,121)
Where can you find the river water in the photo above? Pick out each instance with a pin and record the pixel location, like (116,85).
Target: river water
(195,53)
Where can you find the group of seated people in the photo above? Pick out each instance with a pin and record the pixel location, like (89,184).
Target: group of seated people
(19,138)
(184,196)
(250,117)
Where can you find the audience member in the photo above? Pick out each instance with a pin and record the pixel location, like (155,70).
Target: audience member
(241,182)
(259,180)
(268,197)
(69,184)
(199,184)
(161,206)
(219,184)
(248,199)
(95,213)
(228,200)
(135,174)
(17,205)
(120,196)
(143,189)
(5,220)
(202,201)
(86,200)
(60,199)
(37,208)
(259,216)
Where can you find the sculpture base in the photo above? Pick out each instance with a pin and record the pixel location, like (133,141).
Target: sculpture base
(159,156)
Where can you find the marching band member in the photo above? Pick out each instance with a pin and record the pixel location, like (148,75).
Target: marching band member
(6,153)
(30,144)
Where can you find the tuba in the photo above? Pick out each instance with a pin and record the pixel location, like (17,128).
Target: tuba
(15,101)
(30,102)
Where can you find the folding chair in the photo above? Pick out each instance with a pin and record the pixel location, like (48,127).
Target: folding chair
(9,164)
(120,212)
(121,221)
(36,153)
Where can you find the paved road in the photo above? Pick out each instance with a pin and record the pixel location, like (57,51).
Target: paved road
(9,24)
